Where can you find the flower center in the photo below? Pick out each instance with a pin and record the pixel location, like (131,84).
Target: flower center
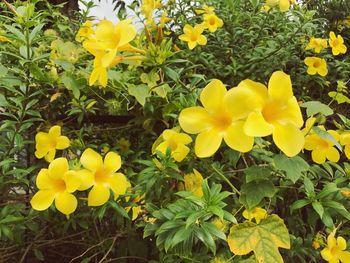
(222,121)
(335,42)
(59,185)
(212,21)
(194,37)
(172,145)
(273,111)
(316,64)
(101,175)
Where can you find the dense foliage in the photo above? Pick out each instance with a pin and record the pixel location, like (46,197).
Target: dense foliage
(195,132)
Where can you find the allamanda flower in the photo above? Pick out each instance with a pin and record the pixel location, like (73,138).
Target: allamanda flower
(216,121)
(176,141)
(334,252)
(337,44)
(147,8)
(270,111)
(193,183)
(48,143)
(102,175)
(316,66)
(57,183)
(256,213)
(283,5)
(322,149)
(193,35)
(317,44)
(345,141)
(108,38)
(205,10)
(212,22)
(85,32)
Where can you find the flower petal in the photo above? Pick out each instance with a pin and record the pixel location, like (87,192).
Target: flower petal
(341,242)
(319,156)
(91,160)
(42,199)
(280,86)
(256,126)
(58,168)
(66,203)
(292,113)
(332,154)
(326,254)
(125,31)
(331,241)
(50,155)
(62,142)
(98,195)
(207,143)
(112,162)
(119,184)
(236,139)
(87,179)
(202,40)
(212,96)
(55,131)
(194,120)
(347,151)
(72,181)
(344,256)
(284,5)
(43,180)
(180,153)
(288,138)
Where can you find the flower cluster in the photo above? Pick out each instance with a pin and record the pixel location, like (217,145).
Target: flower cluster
(105,41)
(318,65)
(335,250)
(193,34)
(283,5)
(244,112)
(58,182)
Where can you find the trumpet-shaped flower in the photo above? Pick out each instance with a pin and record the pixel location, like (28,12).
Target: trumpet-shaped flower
(48,143)
(108,38)
(283,5)
(334,251)
(322,149)
(85,32)
(193,35)
(345,141)
(216,121)
(337,44)
(316,66)
(57,183)
(317,44)
(212,22)
(256,213)
(270,111)
(176,141)
(102,175)
(205,10)
(193,183)
(147,8)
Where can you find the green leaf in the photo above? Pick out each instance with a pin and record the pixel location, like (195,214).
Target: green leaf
(299,204)
(140,92)
(293,166)
(121,211)
(263,239)
(213,230)
(172,74)
(162,90)
(3,71)
(327,136)
(313,107)
(327,190)
(255,173)
(309,187)
(339,97)
(252,193)
(35,32)
(318,208)
(71,84)
(181,235)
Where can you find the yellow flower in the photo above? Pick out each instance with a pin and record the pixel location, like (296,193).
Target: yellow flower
(256,213)
(147,8)
(48,143)
(317,44)
(322,149)
(164,19)
(85,32)
(205,10)
(316,65)
(265,8)
(4,39)
(136,210)
(345,141)
(270,111)
(102,175)
(176,141)
(283,5)
(212,22)
(334,251)
(337,44)
(193,35)
(316,245)
(193,183)
(57,183)
(215,121)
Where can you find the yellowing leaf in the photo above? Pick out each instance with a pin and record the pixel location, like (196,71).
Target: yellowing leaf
(55,96)
(263,239)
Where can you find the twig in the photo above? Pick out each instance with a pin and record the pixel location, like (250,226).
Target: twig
(226,180)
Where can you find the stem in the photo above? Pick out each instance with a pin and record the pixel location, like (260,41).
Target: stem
(226,180)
